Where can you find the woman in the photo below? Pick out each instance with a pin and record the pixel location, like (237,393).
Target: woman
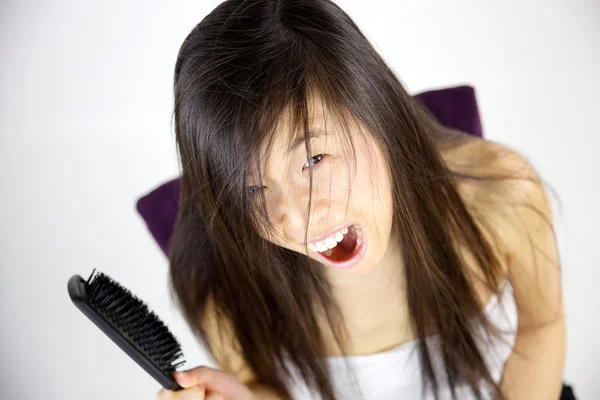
(334,241)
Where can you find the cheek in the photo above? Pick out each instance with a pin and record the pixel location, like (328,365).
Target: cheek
(370,196)
(368,181)
(374,198)
(341,176)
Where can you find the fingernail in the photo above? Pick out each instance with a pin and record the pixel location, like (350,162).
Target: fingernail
(178,375)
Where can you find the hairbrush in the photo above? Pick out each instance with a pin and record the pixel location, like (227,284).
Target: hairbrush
(130,324)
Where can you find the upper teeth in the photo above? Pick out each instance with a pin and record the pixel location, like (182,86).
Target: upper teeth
(332,241)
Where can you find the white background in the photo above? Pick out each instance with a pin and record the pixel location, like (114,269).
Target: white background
(85,107)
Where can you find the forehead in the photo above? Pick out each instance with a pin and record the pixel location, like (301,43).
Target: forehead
(289,129)
(286,135)
(283,140)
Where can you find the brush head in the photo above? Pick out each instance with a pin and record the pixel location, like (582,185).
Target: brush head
(130,324)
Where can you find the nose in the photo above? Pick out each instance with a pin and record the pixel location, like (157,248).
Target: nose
(293,214)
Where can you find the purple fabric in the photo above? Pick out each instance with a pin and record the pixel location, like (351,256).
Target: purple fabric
(159,209)
(454,107)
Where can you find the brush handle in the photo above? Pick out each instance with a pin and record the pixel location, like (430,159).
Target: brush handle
(78,294)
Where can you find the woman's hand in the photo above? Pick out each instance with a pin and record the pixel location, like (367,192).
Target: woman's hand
(204,383)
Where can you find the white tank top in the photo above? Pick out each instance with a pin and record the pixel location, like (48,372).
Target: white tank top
(396,374)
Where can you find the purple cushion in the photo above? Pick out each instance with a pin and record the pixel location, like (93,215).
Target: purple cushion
(454,107)
(159,209)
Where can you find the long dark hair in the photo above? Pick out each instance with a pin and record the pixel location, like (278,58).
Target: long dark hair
(239,69)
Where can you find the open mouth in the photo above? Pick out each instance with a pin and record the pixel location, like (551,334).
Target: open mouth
(346,252)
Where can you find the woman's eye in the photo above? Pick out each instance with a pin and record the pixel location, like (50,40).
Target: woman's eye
(318,159)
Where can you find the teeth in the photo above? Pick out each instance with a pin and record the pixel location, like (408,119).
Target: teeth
(328,253)
(326,245)
(330,242)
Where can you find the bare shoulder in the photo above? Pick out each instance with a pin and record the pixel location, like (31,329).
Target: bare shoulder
(484,168)
(225,346)
(516,206)
(493,179)
(505,195)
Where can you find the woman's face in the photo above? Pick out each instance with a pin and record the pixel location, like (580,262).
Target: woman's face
(342,195)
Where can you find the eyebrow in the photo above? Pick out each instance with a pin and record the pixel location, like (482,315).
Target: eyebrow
(311,134)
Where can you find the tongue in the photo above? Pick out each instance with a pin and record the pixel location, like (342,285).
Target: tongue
(345,248)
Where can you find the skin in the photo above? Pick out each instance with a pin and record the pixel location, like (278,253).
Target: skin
(368,293)
(374,282)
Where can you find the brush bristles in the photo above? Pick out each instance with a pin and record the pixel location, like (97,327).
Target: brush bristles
(135,321)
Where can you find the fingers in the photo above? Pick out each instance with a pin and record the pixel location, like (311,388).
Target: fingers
(205,376)
(162,395)
(214,396)
(212,381)
(192,377)
(193,393)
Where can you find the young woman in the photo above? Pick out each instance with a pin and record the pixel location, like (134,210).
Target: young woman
(334,241)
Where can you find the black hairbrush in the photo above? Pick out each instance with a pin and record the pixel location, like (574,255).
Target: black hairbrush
(130,324)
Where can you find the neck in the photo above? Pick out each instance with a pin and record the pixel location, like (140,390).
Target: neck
(372,305)
(373,284)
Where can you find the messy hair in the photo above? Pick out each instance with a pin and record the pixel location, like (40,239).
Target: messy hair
(245,68)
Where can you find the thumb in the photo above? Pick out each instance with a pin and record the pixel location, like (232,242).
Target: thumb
(185,379)
(210,379)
